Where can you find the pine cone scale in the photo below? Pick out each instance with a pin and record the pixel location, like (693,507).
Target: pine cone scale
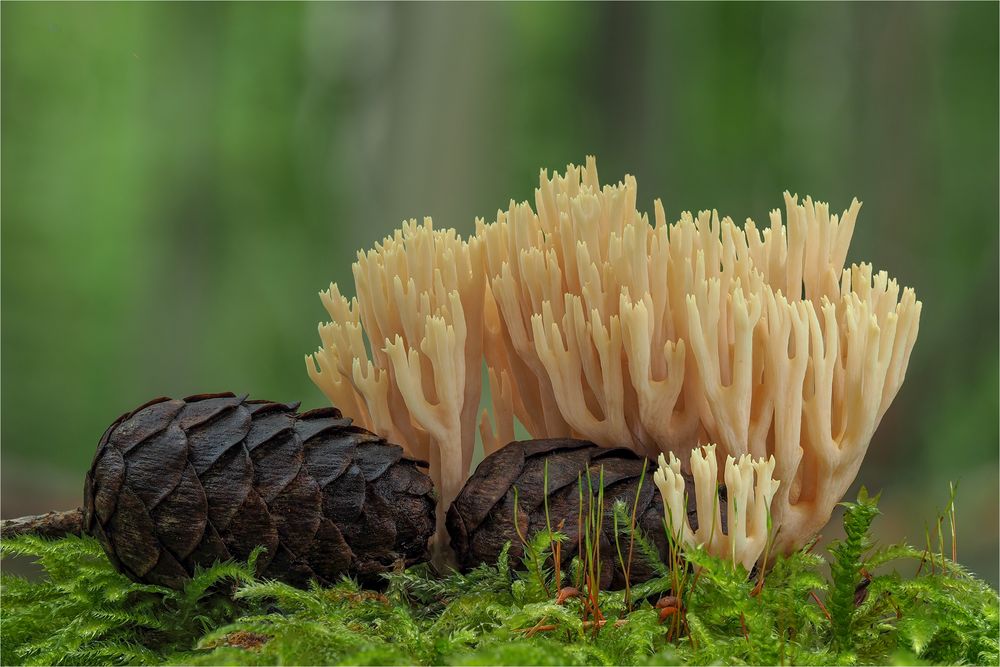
(316,422)
(530,484)
(210,439)
(324,427)
(276,464)
(251,527)
(330,552)
(614,469)
(144,422)
(168,571)
(329,462)
(296,511)
(227,484)
(201,409)
(494,477)
(375,460)
(155,468)
(345,505)
(372,531)
(181,517)
(268,427)
(564,505)
(133,534)
(534,448)
(107,477)
(564,469)
(413,485)
(211,547)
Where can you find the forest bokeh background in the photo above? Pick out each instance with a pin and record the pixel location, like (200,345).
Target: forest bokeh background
(180,180)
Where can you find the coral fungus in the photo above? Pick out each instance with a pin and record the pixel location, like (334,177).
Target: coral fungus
(595,323)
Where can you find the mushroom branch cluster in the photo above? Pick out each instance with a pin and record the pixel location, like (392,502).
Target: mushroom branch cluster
(747,507)
(595,322)
(419,302)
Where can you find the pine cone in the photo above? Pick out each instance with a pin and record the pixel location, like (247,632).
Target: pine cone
(481,520)
(178,484)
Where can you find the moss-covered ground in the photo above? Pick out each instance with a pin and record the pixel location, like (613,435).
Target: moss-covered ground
(893,604)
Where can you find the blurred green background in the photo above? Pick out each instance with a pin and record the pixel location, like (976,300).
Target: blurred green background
(180,180)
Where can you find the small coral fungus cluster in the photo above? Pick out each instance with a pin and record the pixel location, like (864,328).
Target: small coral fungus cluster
(595,322)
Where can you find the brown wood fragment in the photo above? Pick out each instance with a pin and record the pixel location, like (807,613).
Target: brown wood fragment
(51,525)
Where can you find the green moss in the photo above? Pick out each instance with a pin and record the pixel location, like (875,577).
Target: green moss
(83,612)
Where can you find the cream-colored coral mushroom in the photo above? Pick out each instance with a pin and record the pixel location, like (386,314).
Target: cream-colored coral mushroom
(603,326)
(419,303)
(749,492)
(663,336)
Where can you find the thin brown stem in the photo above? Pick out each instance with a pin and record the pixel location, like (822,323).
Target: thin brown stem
(953,520)
(821,605)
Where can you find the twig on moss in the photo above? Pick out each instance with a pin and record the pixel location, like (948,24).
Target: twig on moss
(822,606)
(51,525)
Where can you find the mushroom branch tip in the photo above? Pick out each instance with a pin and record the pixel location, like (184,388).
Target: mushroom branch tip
(749,491)
(597,321)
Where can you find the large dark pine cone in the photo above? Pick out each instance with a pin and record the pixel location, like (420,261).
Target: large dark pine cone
(481,520)
(178,484)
